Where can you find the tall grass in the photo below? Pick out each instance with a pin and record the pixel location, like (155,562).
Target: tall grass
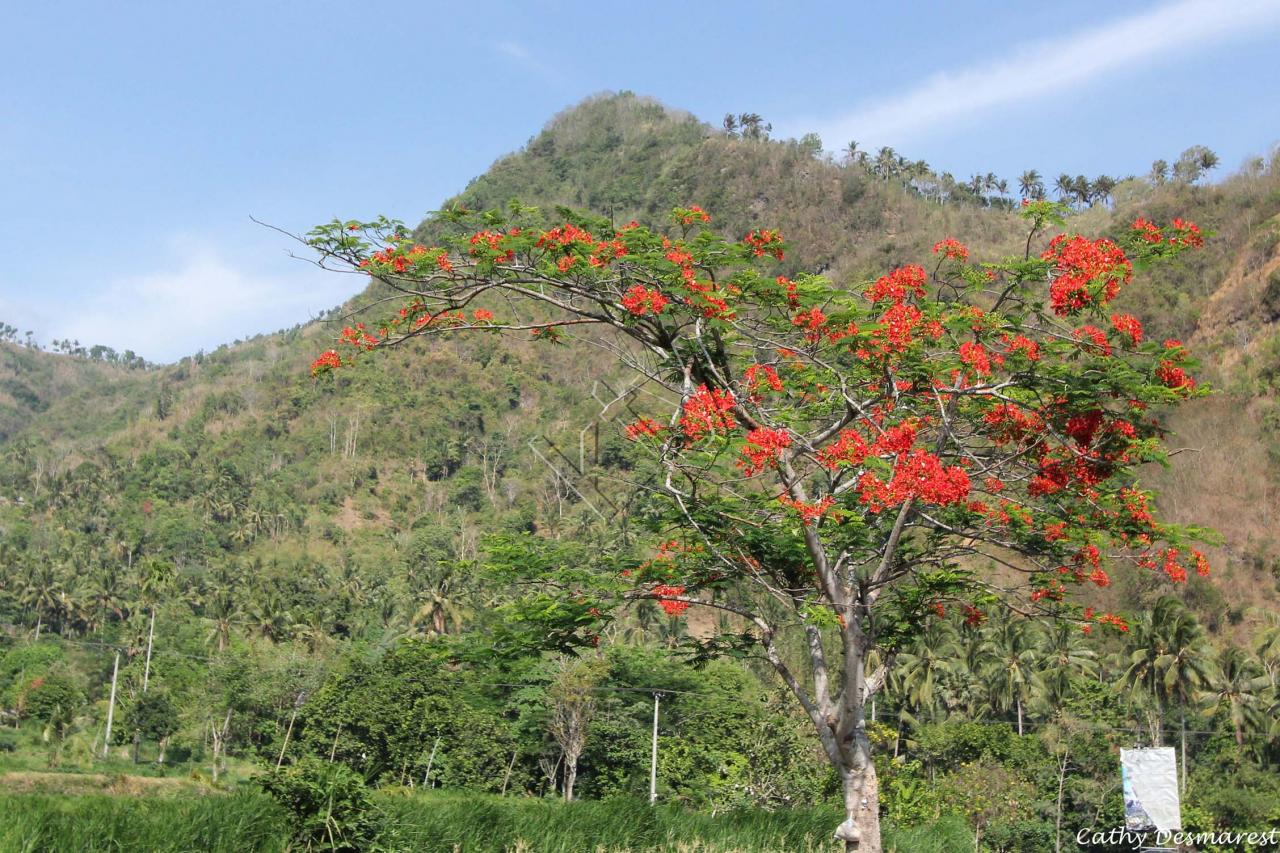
(446,822)
(474,823)
(233,823)
(435,822)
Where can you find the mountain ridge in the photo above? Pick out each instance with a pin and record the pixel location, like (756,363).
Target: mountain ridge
(440,431)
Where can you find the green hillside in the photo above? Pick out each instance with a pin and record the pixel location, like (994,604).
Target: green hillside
(316,545)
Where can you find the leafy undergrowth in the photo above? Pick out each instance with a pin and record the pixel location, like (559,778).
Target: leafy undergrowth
(445,822)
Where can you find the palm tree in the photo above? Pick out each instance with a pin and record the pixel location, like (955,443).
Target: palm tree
(1168,661)
(1102,187)
(922,672)
(1031,185)
(1268,648)
(1081,189)
(1239,686)
(885,160)
(442,606)
(971,692)
(1014,674)
(218,600)
(1066,658)
(40,592)
(1064,186)
(270,616)
(1184,668)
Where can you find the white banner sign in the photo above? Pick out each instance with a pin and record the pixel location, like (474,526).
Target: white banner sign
(1150,781)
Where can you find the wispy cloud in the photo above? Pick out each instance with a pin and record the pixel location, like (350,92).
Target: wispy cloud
(522,56)
(199,300)
(1044,67)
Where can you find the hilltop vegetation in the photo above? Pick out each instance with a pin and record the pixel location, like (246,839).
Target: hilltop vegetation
(320,547)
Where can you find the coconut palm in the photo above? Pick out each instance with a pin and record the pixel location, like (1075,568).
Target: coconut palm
(1031,184)
(1066,657)
(1184,669)
(1014,671)
(1239,688)
(923,670)
(1064,186)
(1102,187)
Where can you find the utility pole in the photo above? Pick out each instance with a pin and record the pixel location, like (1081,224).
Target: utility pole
(297,703)
(426,777)
(151,635)
(653,763)
(111,706)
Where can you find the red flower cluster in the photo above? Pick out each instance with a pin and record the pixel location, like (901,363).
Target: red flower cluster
(704,297)
(793,298)
(1114,621)
(1146,231)
(1084,427)
(493,241)
(394,259)
(952,249)
(1085,272)
(1018,344)
(973,617)
(765,241)
(1094,340)
(899,284)
(639,300)
(922,476)
(643,427)
(327,361)
(356,336)
(762,449)
(565,235)
(851,448)
(757,376)
(812,322)
(975,355)
(1186,234)
(895,336)
(809,513)
(671,606)
(1009,425)
(692,213)
(1127,324)
(1170,374)
(707,410)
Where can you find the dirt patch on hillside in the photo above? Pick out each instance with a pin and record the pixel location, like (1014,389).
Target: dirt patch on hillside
(32,782)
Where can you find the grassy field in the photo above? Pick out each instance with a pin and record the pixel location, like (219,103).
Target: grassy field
(182,819)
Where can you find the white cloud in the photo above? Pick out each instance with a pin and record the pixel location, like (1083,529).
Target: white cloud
(200,300)
(520,55)
(1043,67)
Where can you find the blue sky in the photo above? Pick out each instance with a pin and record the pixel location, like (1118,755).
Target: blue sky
(136,139)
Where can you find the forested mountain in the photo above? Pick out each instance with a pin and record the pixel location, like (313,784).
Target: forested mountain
(297,530)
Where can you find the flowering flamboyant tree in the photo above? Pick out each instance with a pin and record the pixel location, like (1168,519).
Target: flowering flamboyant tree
(844,462)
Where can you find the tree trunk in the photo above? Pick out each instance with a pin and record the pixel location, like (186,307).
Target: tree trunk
(1182,789)
(1019,717)
(860,831)
(1057,823)
(570,776)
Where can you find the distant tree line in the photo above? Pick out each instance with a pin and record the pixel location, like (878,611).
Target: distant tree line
(92,352)
(987,190)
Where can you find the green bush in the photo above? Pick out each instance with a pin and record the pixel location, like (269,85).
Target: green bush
(328,805)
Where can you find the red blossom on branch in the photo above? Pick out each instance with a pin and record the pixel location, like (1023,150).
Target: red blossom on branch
(952,249)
